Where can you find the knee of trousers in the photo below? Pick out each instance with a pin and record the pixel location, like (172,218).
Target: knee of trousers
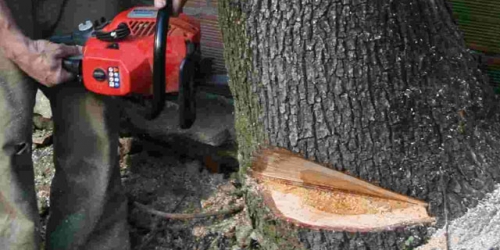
(18,233)
(17,100)
(15,135)
(15,122)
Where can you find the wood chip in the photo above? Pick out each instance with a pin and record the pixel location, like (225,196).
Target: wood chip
(43,140)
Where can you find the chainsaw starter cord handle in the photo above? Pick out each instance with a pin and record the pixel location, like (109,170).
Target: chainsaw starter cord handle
(159,60)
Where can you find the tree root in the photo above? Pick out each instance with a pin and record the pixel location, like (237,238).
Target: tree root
(177,216)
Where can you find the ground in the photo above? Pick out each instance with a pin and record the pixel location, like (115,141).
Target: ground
(171,184)
(193,172)
(195,178)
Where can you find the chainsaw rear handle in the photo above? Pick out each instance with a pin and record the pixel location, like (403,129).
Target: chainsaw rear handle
(73,64)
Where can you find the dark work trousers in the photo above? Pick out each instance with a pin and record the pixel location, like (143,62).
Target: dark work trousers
(88,208)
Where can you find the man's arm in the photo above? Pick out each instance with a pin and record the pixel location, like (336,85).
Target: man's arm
(40,59)
(11,35)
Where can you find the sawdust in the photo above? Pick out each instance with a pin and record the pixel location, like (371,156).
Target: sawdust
(338,202)
(339,210)
(280,164)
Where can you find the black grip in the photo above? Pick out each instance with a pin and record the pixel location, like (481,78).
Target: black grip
(63,39)
(73,64)
(159,60)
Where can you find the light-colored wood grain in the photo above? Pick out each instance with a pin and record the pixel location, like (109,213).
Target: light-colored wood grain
(284,165)
(311,195)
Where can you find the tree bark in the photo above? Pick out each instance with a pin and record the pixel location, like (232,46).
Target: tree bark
(383,90)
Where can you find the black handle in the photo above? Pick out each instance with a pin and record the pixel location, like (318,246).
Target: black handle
(64,39)
(78,37)
(159,60)
(73,64)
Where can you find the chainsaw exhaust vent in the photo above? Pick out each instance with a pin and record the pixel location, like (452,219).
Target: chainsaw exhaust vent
(141,28)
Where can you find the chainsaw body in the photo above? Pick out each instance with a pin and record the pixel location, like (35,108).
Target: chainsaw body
(118,59)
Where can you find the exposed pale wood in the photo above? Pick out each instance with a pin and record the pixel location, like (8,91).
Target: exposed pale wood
(311,195)
(278,163)
(338,210)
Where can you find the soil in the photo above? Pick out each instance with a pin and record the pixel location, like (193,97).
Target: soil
(172,182)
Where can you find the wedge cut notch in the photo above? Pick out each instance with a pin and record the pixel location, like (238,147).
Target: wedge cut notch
(314,196)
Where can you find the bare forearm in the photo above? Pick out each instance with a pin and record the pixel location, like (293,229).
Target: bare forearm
(12,40)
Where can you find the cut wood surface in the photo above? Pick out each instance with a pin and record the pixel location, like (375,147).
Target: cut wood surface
(311,195)
(282,164)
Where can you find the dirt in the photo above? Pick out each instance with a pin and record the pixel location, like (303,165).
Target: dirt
(177,183)
(172,183)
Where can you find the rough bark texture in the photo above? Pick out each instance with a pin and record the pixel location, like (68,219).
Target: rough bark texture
(384,90)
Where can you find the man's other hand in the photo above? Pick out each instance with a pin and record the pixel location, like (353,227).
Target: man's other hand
(177,5)
(43,61)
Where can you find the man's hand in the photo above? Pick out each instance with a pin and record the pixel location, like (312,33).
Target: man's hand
(177,5)
(42,60)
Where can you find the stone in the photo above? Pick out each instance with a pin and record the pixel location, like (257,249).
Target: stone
(42,123)
(42,139)
(214,123)
(42,105)
(125,145)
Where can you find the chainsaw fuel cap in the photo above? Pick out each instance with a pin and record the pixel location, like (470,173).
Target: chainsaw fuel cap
(99,75)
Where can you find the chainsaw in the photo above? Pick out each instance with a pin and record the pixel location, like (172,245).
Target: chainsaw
(144,51)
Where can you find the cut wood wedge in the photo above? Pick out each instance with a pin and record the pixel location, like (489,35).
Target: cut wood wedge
(311,195)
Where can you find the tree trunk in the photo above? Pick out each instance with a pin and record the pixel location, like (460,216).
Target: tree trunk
(383,90)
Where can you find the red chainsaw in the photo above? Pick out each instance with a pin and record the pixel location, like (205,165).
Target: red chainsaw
(142,51)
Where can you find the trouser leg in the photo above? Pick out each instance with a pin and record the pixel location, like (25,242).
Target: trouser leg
(88,208)
(19,220)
